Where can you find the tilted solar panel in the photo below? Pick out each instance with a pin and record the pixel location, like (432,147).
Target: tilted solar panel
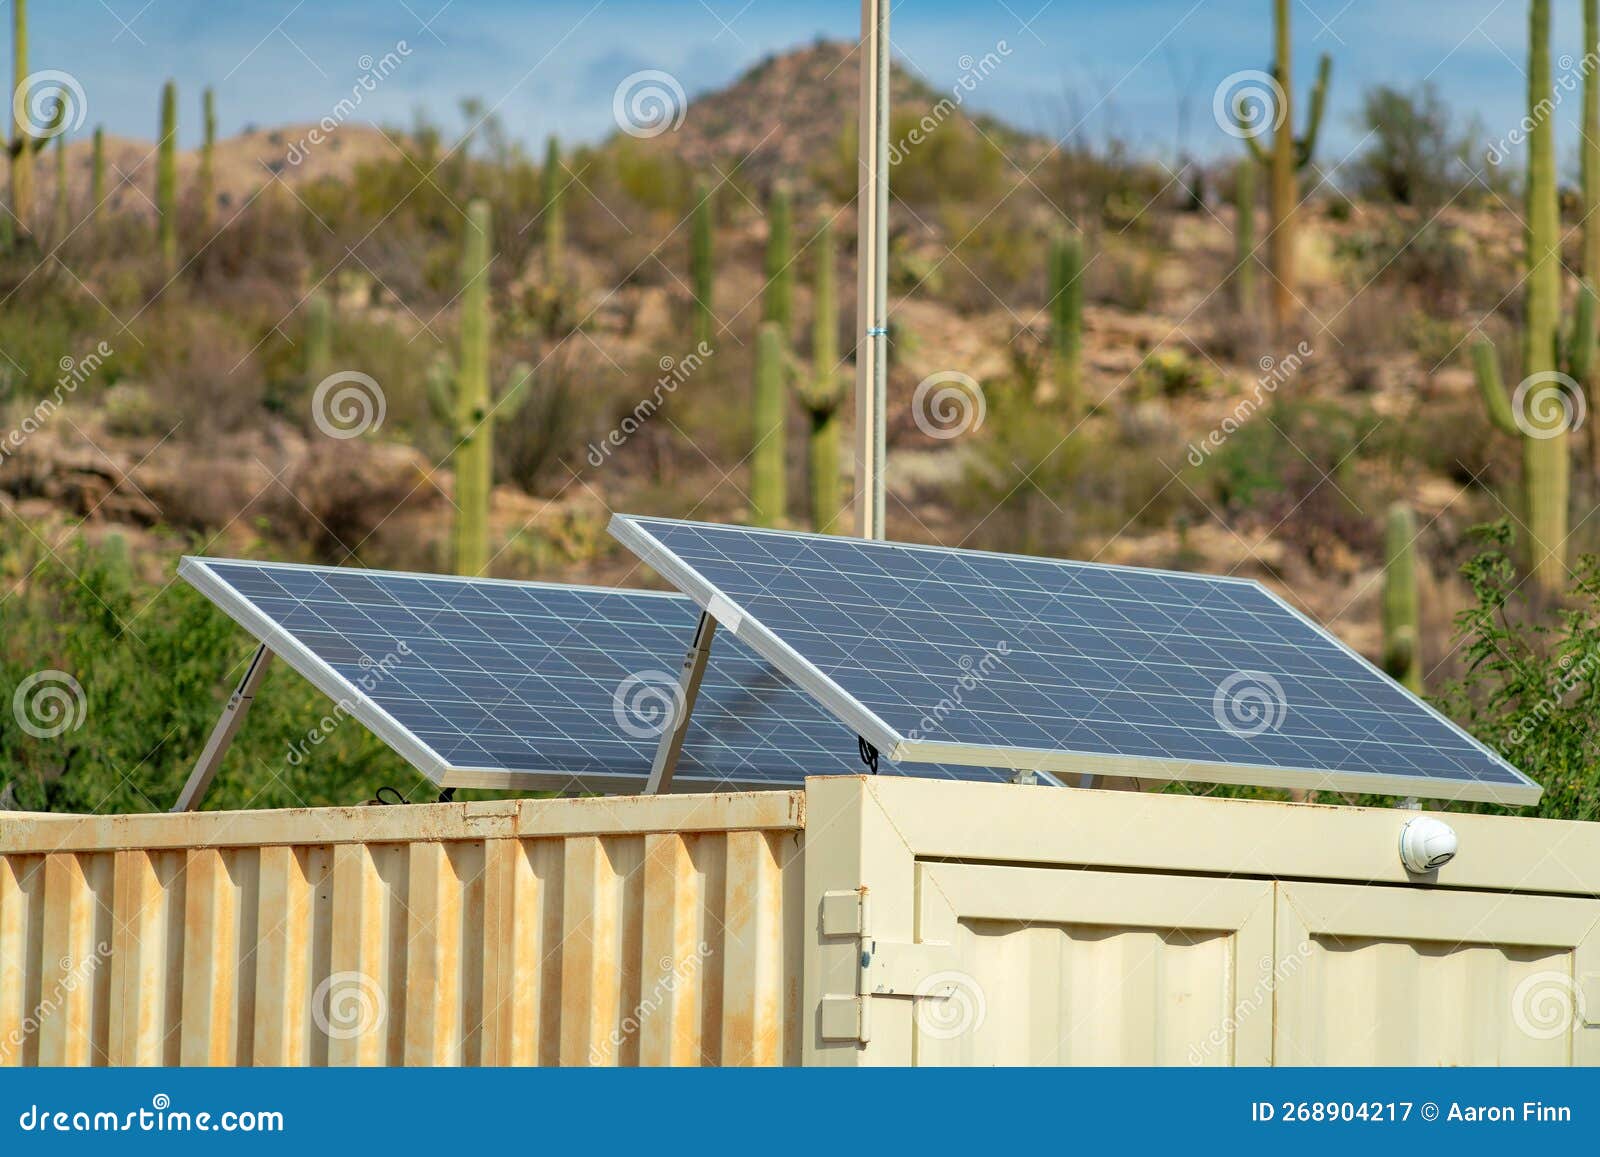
(488,683)
(963,656)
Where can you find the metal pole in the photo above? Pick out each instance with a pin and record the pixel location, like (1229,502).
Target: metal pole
(872,263)
(689,675)
(205,768)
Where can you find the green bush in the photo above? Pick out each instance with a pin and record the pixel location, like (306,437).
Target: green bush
(155,664)
(1531,689)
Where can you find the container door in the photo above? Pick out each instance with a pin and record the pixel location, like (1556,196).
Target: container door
(1056,966)
(1409,976)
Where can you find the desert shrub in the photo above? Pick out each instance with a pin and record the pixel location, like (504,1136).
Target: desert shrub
(1374,331)
(1171,373)
(1416,155)
(1531,688)
(1429,257)
(332,501)
(201,369)
(546,428)
(936,158)
(1291,467)
(37,332)
(155,665)
(1034,482)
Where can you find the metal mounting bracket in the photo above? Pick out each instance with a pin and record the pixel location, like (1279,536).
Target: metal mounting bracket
(205,768)
(689,676)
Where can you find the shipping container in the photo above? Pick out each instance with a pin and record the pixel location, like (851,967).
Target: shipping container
(867,920)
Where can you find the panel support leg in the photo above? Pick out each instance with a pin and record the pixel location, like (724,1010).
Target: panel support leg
(205,768)
(693,670)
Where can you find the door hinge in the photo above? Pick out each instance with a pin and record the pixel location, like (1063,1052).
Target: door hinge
(884,968)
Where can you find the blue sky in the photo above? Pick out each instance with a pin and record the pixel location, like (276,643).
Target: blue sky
(553,65)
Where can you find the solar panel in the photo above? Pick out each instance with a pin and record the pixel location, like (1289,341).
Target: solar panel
(487,683)
(964,656)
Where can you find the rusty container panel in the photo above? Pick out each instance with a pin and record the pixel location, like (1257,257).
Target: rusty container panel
(576,932)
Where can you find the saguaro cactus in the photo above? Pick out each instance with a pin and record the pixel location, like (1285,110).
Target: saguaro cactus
(824,390)
(462,400)
(1066,320)
(97,178)
(474,454)
(1244,237)
(769,411)
(1539,412)
(63,218)
(1288,155)
(167,180)
(553,216)
(701,273)
(1589,153)
(25,144)
(208,170)
(319,336)
(1402,656)
(778,305)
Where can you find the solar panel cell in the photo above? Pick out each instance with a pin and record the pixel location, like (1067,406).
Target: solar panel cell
(527,685)
(963,656)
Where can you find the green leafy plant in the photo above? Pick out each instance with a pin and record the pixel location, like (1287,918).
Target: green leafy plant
(1531,687)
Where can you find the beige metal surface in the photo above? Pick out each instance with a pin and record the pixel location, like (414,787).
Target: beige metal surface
(1396,976)
(574,932)
(924,922)
(1008,924)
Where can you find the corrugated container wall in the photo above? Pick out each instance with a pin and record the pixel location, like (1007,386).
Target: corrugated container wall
(868,920)
(605,931)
